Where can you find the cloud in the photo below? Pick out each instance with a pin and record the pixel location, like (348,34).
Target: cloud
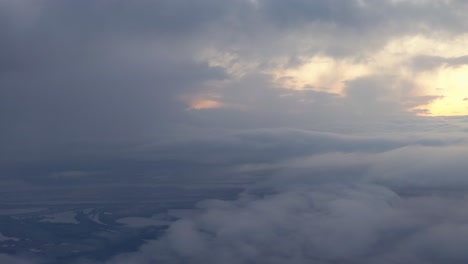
(396,204)
(273,145)
(14,260)
(309,225)
(74,81)
(431,62)
(73,174)
(292,96)
(116,77)
(400,202)
(398,198)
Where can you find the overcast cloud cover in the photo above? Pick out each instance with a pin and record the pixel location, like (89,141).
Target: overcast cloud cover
(342,122)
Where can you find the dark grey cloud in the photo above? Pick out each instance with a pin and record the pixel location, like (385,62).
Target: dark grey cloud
(355,27)
(73,78)
(369,99)
(91,95)
(271,145)
(431,62)
(13,260)
(76,74)
(364,15)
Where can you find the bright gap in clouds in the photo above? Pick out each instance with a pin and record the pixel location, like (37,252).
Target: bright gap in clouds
(399,59)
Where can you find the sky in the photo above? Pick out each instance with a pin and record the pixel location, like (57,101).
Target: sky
(343,120)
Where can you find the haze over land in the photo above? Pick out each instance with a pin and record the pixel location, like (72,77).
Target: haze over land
(244,131)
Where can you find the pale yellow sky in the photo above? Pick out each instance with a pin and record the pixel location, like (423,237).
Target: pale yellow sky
(326,73)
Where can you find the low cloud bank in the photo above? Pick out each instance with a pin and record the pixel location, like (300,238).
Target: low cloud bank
(360,224)
(399,204)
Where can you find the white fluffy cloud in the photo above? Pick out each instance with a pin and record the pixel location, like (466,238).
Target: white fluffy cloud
(336,224)
(401,204)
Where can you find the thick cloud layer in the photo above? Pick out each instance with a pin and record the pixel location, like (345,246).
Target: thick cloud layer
(317,198)
(86,78)
(403,205)
(311,108)
(365,224)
